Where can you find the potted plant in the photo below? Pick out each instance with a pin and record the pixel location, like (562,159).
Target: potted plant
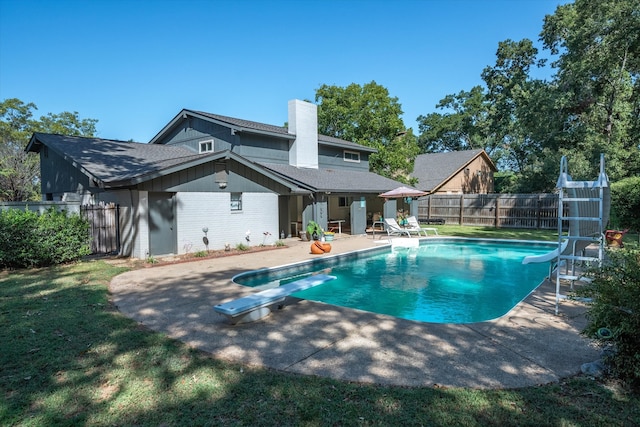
(401,218)
(314,231)
(328,236)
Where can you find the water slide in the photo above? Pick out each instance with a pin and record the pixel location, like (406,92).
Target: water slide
(549,256)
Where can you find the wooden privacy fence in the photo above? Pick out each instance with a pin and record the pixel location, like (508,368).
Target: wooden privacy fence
(105,230)
(539,211)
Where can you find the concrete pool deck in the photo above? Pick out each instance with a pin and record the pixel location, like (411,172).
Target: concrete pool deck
(528,346)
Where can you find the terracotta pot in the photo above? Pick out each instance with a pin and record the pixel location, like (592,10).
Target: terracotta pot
(318,247)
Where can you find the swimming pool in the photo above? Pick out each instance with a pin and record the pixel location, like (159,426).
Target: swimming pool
(441,281)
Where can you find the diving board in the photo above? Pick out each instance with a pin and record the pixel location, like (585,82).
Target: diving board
(404,242)
(256,306)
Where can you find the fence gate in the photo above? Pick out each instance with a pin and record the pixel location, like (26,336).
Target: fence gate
(104,220)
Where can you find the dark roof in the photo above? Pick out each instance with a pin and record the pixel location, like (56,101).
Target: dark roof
(334,180)
(112,163)
(434,169)
(108,160)
(241,125)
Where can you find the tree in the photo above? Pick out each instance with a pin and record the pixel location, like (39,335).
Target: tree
(509,90)
(590,106)
(19,172)
(367,115)
(598,43)
(462,127)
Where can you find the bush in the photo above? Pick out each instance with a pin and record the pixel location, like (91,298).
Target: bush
(625,203)
(615,291)
(29,239)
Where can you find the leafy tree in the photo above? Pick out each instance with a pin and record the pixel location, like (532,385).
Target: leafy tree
(19,172)
(462,128)
(590,106)
(509,90)
(625,203)
(368,115)
(598,43)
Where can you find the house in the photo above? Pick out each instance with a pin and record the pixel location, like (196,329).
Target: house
(206,181)
(455,172)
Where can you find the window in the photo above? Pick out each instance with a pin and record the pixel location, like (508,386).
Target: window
(236,201)
(206,146)
(343,202)
(351,156)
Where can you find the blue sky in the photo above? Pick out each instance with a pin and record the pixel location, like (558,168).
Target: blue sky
(133,65)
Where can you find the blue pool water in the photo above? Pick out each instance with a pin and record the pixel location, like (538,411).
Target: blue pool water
(442,281)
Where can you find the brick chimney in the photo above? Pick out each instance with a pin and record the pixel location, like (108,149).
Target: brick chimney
(303,123)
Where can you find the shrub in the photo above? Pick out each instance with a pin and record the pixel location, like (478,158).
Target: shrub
(625,203)
(615,293)
(29,239)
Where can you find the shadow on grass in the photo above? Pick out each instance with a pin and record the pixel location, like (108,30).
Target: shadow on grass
(75,360)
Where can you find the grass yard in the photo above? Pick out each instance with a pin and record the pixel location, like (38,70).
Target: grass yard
(69,358)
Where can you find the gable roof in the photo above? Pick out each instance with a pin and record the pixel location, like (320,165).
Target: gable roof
(112,163)
(334,180)
(241,125)
(434,169)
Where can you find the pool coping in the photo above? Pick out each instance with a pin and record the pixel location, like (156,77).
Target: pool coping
(530,345)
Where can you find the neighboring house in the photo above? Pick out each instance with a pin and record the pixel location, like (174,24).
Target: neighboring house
(455,172)
(206,178)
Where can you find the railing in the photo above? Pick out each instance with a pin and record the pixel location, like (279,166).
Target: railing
(536,211)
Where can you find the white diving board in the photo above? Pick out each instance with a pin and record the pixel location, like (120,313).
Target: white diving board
(256,306)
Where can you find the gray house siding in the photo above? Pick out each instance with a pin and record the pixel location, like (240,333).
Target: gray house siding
(263,148)
(333,157)
(251,146)
(59,176)
(192,131)
(203,178)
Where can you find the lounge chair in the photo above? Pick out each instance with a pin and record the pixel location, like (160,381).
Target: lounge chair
(414,226)
(393,229)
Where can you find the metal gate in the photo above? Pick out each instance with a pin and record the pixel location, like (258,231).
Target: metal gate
(104,220)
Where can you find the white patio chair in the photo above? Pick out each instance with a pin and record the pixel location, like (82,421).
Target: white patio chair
(393,229)
(414,227)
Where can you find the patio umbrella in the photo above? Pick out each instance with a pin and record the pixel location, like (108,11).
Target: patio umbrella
(403,192)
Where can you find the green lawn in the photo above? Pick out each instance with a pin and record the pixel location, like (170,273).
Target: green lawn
(497,233)
(69,358)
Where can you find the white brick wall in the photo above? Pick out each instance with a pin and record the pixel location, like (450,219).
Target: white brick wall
(141,237)
(194,211)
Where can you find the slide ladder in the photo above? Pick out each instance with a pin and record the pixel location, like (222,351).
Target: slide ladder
(583,209)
